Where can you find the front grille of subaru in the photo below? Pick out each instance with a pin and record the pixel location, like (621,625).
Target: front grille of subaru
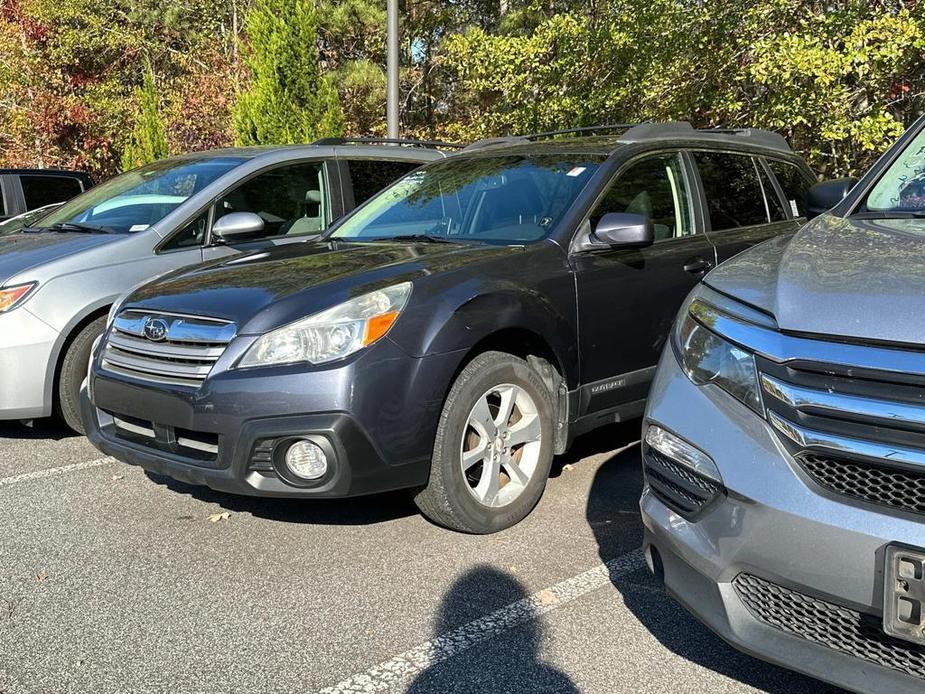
(827,624)
(856,433)
(165,348)
(678,487)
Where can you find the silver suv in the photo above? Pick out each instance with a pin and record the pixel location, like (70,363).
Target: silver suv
(784,440)
(59,278)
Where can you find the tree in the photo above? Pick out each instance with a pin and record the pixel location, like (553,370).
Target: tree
(148,140)
(289,99)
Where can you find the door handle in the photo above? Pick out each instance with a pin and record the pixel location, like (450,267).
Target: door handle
(696,266)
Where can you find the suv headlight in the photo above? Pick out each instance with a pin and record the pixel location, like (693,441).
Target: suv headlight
(707,358)
(11,296)
(332,334)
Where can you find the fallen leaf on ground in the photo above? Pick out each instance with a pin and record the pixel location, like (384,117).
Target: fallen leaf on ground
(568,466)
(117,477)
(216,517)
(547,597)
(40,577)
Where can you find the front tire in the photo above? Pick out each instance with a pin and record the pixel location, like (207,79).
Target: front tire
(494,447)
(74,371)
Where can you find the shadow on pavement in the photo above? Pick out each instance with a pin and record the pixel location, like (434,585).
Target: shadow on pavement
(519,670)
(356,511)
(613,514)
(36,429)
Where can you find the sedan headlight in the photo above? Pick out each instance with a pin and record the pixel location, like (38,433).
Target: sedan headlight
(332,334)
(707,358)
(10,296)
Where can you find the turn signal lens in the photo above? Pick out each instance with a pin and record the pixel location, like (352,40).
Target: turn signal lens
(10,296)
(377,326)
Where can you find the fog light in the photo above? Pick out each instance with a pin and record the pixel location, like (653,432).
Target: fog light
(306,460)
(680,451)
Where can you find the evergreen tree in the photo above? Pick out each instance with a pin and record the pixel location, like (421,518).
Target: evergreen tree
(289,99)
(148,140)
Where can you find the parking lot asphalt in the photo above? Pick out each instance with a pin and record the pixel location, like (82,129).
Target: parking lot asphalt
(111,581)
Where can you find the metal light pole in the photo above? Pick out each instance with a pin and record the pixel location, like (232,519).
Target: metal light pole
(391,91)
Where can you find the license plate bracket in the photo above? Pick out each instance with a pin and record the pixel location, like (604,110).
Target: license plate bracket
(904,593)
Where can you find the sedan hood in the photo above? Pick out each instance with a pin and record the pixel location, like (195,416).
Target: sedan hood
(860,279)
(22,252)
(263,290)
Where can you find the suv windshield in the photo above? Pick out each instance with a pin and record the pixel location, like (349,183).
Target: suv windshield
(137,199)
(492,199)
(901,188)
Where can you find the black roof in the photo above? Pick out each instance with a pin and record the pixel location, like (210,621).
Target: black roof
(59,172)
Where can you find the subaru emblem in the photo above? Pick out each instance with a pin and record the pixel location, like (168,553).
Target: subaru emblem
(156,329)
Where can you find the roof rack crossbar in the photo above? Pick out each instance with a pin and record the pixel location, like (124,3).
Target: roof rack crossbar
(430,144)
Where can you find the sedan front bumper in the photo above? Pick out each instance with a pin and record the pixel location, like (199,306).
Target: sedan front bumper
(26,347)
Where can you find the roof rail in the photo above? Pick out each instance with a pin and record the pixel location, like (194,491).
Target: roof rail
(683,129)
(514,139)
(430,144)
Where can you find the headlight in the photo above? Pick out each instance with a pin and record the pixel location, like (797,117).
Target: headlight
(332,334)
(707,358)
(10,296)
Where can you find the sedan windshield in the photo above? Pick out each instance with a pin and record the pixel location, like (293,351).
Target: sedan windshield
(509,199)
(135,200)
(901,189)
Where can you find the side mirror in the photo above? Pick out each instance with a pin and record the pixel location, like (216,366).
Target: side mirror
(826,195)
(622,230)
(237,225)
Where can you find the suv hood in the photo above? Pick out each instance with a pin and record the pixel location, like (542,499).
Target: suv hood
(21,252)
(263,290)
(841,277)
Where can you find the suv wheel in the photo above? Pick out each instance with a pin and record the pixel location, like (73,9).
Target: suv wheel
(74,371)
(494,447)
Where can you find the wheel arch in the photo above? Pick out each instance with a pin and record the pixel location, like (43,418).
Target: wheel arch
(79,322)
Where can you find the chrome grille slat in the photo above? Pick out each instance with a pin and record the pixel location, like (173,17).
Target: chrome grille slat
(191,347)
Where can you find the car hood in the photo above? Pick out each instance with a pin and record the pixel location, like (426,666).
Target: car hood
(21,252)
(861,279)
(263,290)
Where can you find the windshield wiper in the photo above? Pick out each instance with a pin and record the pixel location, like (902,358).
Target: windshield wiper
(426,238)
(82,228)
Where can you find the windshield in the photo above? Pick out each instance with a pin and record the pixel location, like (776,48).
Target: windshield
(14,224)
(901,188)
(135,200)
(511,199)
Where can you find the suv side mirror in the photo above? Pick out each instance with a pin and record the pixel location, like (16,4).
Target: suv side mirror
(826,195)
(237,225)
(623,230)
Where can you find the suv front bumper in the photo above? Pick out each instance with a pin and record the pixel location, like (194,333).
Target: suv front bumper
(777,568)
(375,417)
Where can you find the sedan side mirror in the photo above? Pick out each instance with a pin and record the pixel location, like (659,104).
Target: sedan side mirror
(237,226)
(826,195)
(622,230)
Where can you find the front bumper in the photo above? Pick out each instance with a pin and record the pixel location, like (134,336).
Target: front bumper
(376,417)
(773,527)
(26,348)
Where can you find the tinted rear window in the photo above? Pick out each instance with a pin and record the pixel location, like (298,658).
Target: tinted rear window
(732,188)
(369,176)
(46,190)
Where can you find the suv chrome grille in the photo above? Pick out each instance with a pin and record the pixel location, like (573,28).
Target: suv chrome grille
(184,352)
(858,436)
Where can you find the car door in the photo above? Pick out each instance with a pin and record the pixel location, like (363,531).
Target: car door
(296,201)
(628,298)
(39,190)
(366,177)
(742,205)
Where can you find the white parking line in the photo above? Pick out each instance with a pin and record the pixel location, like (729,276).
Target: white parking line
(54,471)
(406,665)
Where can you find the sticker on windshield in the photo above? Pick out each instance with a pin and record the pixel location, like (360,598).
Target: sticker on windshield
(577,171)
(795,209)
(137,227)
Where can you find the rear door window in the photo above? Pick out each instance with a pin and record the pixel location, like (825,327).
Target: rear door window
(795,182)
(733,190)
(369,176)
(39,191)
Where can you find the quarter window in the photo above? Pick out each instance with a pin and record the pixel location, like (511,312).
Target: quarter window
(369,176)
(733,190)
(290,200)
(47,190)
(190,236)
(794,182)
(654,187)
